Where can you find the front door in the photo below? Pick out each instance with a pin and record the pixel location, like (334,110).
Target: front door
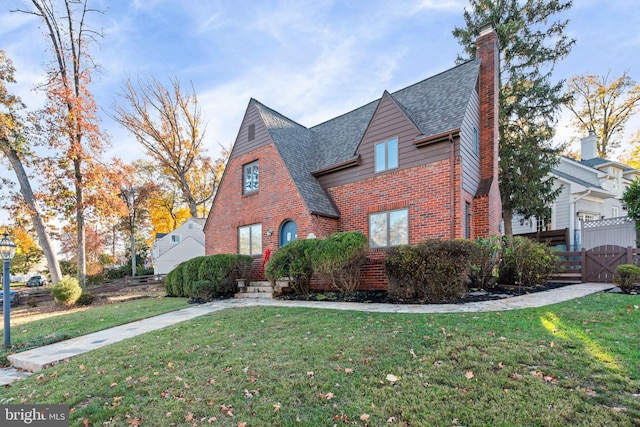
(288,232)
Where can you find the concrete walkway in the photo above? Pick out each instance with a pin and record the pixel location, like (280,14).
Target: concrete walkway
(25,363)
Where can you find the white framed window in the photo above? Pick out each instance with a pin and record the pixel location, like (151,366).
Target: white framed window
(386,155)
(250,177)
(615,211)
(584,216)
(176,238)
(250,239)
(389,228)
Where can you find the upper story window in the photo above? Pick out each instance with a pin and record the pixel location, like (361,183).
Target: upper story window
(250,177)
(390,228)
(615,212)
(250,239)
(387,155)
(476,141)
(176,238)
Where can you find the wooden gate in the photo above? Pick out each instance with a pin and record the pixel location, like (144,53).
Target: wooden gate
(599,264)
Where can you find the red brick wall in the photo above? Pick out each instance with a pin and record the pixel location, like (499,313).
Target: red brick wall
(275,201)
(425,190)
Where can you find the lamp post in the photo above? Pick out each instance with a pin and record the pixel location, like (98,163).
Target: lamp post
(7,251)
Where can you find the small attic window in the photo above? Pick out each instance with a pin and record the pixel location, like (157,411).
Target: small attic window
(252,132)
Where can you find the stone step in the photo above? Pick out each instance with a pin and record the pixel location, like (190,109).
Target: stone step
(254,295)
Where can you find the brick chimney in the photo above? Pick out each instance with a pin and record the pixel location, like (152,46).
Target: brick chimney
(487,203)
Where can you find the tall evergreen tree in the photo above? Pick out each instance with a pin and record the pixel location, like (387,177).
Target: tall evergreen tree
(531,43)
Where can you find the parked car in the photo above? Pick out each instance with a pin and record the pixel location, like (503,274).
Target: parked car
(14,298)
(36,281)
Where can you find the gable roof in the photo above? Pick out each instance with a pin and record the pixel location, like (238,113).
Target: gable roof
(435,105)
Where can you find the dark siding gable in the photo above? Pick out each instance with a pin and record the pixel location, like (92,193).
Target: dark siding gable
(261,135)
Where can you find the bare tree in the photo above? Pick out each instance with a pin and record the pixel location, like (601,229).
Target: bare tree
(603,105)
(168,124)
(14,147)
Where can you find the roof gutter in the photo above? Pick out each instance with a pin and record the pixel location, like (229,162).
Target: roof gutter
(355,161)
(423,140)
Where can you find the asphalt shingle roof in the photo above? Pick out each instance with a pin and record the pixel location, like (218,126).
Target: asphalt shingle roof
(437,104)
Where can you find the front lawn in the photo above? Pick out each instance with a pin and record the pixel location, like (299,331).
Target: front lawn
(65,323)
(576,363)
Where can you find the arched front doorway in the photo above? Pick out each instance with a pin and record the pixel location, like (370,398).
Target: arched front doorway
(288,232)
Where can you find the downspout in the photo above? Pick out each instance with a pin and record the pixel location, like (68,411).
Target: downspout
(573,215)
(452,180)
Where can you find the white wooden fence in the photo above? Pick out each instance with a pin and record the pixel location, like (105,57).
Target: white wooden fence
(619,231)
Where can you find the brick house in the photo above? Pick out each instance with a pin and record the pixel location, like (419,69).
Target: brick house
(417,163)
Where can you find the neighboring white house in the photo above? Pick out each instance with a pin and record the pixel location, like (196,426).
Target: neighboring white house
(182,244)
(592,189)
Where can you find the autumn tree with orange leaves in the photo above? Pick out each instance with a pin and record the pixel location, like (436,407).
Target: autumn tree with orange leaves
(75,177)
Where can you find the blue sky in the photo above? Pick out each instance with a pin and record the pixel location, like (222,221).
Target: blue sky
(309,60)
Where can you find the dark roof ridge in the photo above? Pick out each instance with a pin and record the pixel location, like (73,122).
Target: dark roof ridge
(277,113)
(377,100)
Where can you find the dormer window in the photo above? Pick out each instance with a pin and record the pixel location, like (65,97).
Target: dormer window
(175,238)
(386,155)
(250,177)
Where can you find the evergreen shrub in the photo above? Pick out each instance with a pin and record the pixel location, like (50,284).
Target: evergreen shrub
(293,261)
(433,270)
(66,291)
(526,262)
(626,276)
(339,259)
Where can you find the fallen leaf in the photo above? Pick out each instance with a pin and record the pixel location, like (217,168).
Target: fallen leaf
(168,414)
(364,417)
(413,353)
(310,373)
(226,410)
(348,370)
(469,375)
(247,395)
(188,417)
(392,378)
(242,424)
(391,420)
(276,407)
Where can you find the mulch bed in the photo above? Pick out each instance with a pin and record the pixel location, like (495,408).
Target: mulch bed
(495,293)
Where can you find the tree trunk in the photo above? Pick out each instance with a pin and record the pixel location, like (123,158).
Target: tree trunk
(82,262)
(36,219)
(507,217)
(133,252)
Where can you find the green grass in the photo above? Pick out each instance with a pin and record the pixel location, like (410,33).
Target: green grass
(53,329)
(576,363)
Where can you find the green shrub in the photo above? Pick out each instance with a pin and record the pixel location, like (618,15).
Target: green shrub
(205,289)
(339,259)
(224,269)
(293,261)
(86,299)
(526,262)
(67,290)
(485,258)
(173,282)
(626,276)
(432,270)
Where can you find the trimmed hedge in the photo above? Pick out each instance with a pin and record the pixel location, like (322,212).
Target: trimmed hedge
(293,261)
(339,259)
(224,269)
(626,276)
(526,262)
(215,275)
(433,270)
